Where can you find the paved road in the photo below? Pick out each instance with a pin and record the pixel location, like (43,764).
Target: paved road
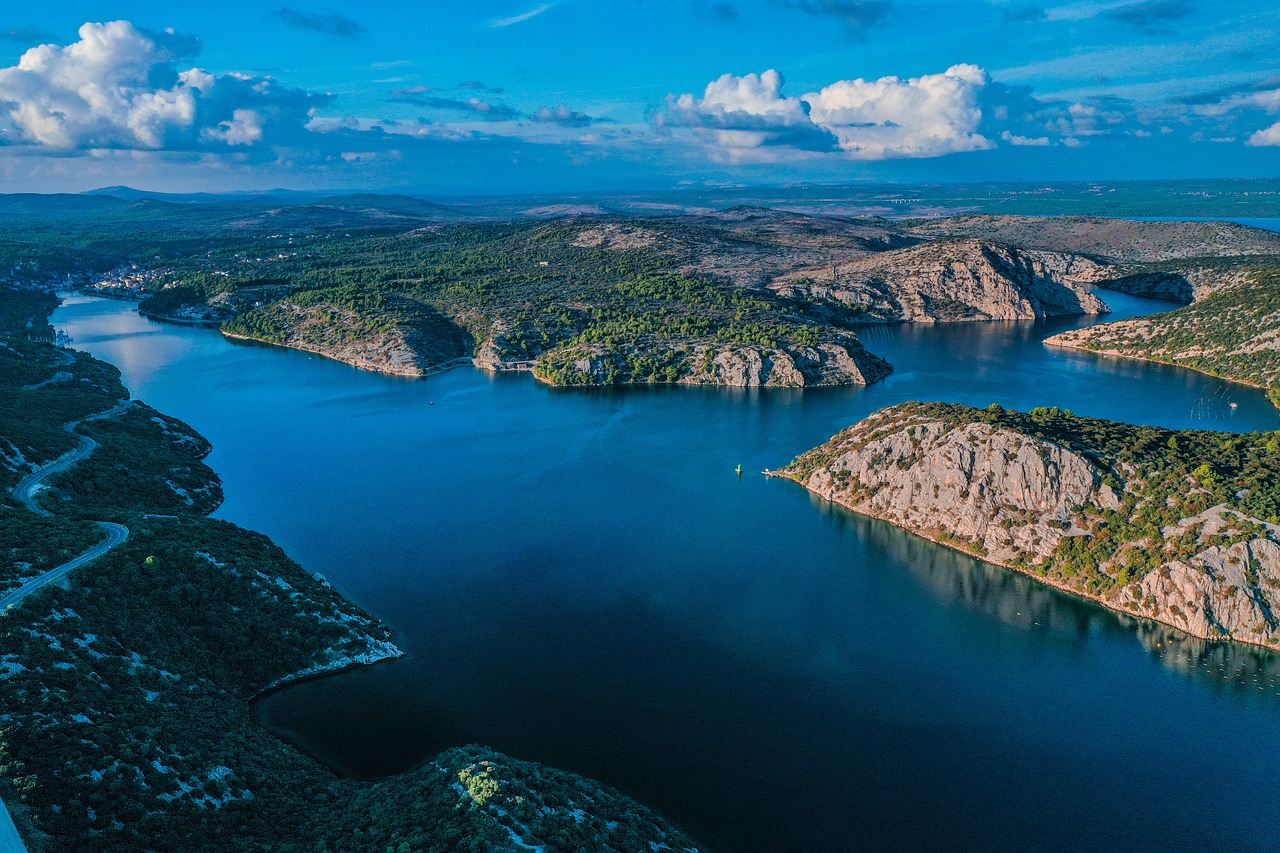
(116,533)
(26,490)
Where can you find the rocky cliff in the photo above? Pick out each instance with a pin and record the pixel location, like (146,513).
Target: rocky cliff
(841,360)
(1060,498)
(954,280)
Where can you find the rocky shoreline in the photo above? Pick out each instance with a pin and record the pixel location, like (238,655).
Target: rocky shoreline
(1034,506)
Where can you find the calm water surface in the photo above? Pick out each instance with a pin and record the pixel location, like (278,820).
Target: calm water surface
(579,578)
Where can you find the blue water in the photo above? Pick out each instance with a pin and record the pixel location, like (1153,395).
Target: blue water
(580,578)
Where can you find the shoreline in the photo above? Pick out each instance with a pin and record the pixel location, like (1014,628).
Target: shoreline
(422,373)
(180,321)
(1050,342)
(315,673)
(1043,579)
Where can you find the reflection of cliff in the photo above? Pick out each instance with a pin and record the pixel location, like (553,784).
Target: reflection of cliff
(1022,602)
(1228,667)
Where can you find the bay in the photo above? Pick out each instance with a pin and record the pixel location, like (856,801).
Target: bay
(581,578)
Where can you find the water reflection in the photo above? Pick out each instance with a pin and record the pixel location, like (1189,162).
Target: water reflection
(1021,602)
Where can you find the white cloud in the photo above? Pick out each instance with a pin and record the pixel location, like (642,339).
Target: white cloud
(244,128)
(521,18)
(1267,137)
(119,87)
(749,118)
(926,116)
(1015,139)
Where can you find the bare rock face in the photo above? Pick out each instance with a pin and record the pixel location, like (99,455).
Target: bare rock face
(990,491)
(955,280)
(1013,499)
(842,363)
(399,345)
(1222,591)
(837,362)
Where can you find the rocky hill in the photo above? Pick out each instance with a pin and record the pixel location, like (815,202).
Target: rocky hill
(1179,527)
(839,361)
(953,280)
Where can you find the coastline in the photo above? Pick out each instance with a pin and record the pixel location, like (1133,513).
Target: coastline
(180,321)
(1050,342)
(407,374)
(389,651)
(1047,581)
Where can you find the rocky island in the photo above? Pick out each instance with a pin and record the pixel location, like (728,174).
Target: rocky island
(1180,527)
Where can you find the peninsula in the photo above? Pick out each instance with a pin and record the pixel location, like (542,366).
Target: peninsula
(1182,527)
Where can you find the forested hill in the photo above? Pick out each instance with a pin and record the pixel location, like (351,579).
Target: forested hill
(1233,332)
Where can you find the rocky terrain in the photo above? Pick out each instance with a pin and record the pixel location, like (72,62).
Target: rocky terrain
(1232,332)
(842,361)
(1133,517)
(387,335)
(953,280)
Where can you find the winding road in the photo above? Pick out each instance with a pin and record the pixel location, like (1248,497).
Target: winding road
(27,491)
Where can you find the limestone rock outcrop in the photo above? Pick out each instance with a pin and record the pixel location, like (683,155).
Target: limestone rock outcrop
(1014,499)
(953,280)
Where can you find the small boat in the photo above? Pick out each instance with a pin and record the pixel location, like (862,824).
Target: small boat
(1234,405)
(739,470)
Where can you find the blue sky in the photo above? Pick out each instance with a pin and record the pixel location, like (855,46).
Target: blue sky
(521,96)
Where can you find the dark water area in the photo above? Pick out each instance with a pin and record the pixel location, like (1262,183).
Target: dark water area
(580,578)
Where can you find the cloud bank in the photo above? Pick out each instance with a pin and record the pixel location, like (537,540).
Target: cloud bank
(120,87)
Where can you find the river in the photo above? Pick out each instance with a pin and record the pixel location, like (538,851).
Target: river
(580,578)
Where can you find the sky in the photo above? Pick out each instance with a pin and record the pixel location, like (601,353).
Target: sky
(519,96)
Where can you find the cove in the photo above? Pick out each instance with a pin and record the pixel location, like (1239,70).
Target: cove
(580,578)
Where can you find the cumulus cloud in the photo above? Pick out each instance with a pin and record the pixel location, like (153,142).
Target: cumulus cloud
(924,116)
(1266,137)
(741,115)
(891,117)
(1017,139)
(120,87)
(328,23)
